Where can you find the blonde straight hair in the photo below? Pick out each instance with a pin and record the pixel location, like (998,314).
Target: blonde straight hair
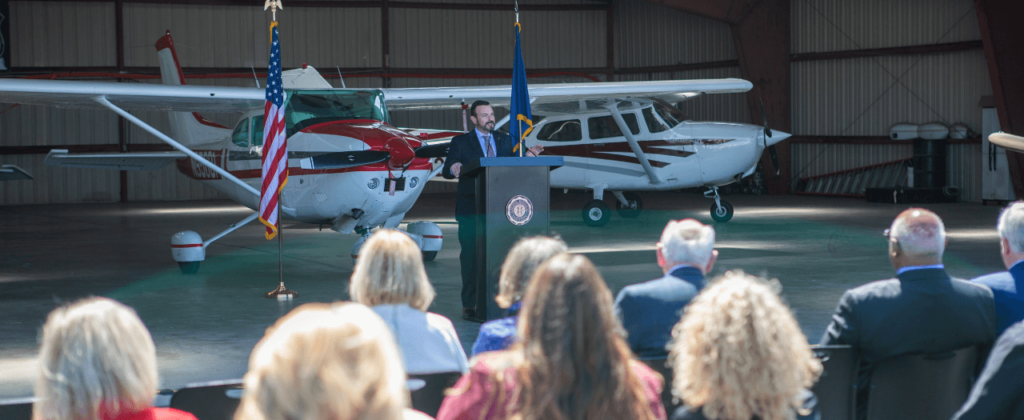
(521,262)
(325,362)
(390,271)
(96,357)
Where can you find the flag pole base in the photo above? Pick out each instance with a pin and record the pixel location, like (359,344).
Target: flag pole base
(282,293)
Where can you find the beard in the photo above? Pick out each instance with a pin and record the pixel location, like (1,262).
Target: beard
(489,126)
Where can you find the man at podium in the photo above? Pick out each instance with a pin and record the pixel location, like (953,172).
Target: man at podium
(481,141)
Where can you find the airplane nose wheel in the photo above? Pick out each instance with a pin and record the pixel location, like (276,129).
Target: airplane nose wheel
(636,205)
(721,213)
(596,213)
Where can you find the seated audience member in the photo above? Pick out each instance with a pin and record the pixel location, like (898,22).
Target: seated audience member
(326,362)
(97,362)
(570,362)
(390,279)
(922,310)
(1006,284)
(520,264)
(738,354)
(649,310)
(999,392)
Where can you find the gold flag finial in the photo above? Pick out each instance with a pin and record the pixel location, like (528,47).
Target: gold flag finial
(273,5)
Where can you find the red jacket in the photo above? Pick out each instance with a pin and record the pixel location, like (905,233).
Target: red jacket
(151,414)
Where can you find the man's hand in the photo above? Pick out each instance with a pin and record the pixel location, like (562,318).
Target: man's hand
(535,150)
(456,168)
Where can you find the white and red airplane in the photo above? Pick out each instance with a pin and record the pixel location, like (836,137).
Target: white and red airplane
(350,168)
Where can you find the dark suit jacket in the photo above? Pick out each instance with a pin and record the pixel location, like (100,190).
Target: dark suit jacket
(921,311)
(1008,292)
(649,310)
(999,393)
(466,148)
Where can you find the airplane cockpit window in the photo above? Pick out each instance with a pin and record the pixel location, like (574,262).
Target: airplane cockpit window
(568,130)
(605,127)
(257,130)
(240,137)
(670,114)
(654,125)
(309,107)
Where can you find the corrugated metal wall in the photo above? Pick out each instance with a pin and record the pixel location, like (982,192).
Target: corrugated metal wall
(866,96)
(835,97)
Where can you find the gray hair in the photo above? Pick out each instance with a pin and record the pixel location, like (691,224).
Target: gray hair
(390,271)
(920,238)
(94,352)
(687,241)
(520,264)
(1011,225)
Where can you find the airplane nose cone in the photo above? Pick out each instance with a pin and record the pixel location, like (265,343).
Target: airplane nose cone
(401,152)
(778,136)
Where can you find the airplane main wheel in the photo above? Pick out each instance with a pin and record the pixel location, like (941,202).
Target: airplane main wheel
(596,213)
(636,205)
(721,214)
(429,255)
(189,267)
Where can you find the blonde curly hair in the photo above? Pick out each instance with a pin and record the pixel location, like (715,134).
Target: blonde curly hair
(738,352)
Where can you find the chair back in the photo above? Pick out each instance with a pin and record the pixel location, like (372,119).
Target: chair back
(661,366)
(922,386)
(216,400)
(836,388)
(427,390)
(16,408)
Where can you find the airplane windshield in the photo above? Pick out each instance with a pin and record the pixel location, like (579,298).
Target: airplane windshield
(310,107)
(670,114)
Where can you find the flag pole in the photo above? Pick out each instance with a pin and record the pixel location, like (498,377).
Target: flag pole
(519,141)
(281,292)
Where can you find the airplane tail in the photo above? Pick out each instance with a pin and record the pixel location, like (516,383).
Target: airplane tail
(186,127)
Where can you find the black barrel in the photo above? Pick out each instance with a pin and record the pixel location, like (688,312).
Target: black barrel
(929,163)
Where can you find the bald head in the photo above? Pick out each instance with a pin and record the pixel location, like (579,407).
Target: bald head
(919,234)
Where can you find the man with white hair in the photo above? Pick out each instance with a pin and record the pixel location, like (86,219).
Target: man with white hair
(1008,286)
(649,310)
(922,310)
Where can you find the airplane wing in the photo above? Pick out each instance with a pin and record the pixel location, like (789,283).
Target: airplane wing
(452,97)
(132,96)
(133,161)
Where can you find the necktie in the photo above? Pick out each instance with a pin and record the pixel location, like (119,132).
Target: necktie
(490,150)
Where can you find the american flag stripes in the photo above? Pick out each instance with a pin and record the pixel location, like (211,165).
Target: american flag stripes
(275,144)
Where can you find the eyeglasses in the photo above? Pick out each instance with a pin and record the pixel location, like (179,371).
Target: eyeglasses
(885,233)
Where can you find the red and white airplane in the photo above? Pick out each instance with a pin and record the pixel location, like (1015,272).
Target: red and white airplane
(350,168)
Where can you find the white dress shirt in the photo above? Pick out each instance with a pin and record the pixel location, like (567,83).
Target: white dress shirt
(428,341)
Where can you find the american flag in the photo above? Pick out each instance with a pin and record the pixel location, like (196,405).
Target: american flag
(275,145)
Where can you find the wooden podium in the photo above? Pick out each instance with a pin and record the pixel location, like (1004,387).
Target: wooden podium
(512,201)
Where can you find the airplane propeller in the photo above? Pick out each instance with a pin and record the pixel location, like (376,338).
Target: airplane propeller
(772,153)
(397,153)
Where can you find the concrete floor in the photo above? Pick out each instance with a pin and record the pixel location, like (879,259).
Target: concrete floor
(206,325)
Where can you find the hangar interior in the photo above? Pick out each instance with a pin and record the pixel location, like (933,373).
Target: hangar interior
(835,74)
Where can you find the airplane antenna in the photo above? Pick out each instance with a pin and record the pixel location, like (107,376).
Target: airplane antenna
(342,78)
(255,77)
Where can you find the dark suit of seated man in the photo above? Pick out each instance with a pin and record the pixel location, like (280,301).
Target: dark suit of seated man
(480,142)
(922,310)
(998,393)
(649,310)
(1008,286)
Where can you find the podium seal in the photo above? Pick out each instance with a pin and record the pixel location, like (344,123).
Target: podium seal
(519,210)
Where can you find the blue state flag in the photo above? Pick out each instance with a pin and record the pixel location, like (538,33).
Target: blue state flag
(522,120)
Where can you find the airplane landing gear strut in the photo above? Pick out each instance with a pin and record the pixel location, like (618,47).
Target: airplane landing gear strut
(721,210)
